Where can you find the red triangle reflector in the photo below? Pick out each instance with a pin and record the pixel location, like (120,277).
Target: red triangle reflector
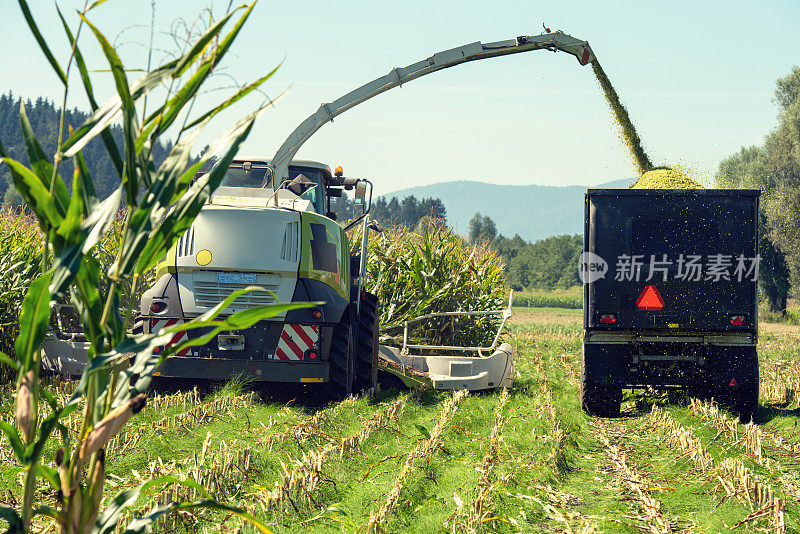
(650,299)
(733,383)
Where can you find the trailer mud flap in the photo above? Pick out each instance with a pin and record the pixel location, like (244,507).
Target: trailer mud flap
(731,366)
(606,364)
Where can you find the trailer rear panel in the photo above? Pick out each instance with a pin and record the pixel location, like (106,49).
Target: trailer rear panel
(696,248)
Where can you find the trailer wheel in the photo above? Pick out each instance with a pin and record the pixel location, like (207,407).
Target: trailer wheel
(340,380)
(601,401)
(367,345)
(744,401)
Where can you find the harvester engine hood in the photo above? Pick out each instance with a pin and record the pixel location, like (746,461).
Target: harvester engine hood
(230,248)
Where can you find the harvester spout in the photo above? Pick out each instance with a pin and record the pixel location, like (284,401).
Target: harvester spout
(555,41)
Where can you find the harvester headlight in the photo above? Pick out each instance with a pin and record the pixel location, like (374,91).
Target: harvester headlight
(203,257)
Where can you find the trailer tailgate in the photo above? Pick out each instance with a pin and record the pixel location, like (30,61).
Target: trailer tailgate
(674,260)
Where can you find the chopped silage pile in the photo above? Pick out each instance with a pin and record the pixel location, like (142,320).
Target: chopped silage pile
(666,178)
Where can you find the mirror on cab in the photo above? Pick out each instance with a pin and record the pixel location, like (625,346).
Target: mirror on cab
(362,195)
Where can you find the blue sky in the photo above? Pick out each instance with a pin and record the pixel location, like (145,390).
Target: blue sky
(697,78)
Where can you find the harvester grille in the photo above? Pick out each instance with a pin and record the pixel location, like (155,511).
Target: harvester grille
(208,294)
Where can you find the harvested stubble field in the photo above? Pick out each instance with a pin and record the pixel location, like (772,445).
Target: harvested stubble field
(526,460)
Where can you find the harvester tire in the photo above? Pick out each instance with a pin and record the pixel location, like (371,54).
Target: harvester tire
(340,381)
(600,401)
(367,345)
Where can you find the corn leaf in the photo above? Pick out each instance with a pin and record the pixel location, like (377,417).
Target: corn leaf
(243,92)
(173,108)
(239,321)
(108,139)
(95,4)
(197,48)
(181,216)
(87,281)
(69,249)
(14,439)
(145,362)
(129,124)
(47,511)
(101,219)
(186,179)
(145,523)
(88,193)
(35,194)
(109,112)
(33,320)
(45,429)
(50,475)
(5,359)
(26,12)
(39,162)
(107,521)
(12,518)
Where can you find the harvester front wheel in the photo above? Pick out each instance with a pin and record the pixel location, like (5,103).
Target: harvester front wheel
(340,380)
(367,344)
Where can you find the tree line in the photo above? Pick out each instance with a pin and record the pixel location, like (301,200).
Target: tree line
(408,212)
(774,168)
(550,263)
(44,117)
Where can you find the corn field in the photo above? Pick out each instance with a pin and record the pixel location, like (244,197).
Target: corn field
(525,459)
(21,246)
(432,269)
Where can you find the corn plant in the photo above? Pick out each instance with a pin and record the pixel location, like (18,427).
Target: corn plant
(432,271)
(20,251)
(158,204)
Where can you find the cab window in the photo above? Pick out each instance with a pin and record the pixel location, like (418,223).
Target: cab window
(236,176)
(315,195)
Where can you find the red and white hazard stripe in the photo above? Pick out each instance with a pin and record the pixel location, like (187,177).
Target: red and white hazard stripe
(295,340)
(157,324)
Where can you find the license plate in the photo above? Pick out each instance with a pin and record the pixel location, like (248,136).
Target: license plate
(236,278)
(230,342)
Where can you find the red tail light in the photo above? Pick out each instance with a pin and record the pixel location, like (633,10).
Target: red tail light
(650,299)
(738,320)
(608,318)
(157,307)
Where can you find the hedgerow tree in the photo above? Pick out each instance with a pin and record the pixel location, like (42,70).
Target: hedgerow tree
(775,169)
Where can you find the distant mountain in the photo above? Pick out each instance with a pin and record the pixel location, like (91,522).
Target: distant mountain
(532,211)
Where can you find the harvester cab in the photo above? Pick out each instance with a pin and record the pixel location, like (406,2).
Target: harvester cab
(279,239)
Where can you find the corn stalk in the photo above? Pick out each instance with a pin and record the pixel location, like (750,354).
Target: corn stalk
(425,449)
(158,203)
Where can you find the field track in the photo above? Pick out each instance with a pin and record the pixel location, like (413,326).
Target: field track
(521,460)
